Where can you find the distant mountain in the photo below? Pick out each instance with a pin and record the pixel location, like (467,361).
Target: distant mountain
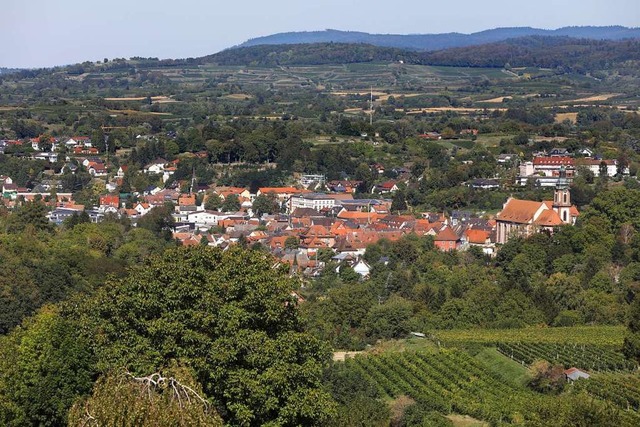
(570,54)
(8,70)
(562,53)
(430,42)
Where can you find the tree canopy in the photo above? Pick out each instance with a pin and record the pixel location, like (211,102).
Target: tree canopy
(230,317)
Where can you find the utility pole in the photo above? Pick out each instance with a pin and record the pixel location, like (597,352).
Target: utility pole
(371,107)
(193,181)
(106,145)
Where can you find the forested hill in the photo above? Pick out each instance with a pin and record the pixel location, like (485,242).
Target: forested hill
(430,42)
(575,55)
(310,54)
(8,70)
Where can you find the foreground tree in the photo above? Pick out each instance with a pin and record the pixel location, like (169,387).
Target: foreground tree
(157,400)
(228,316)
(44,367)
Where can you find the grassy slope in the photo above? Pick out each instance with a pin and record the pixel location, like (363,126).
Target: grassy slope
(503,367)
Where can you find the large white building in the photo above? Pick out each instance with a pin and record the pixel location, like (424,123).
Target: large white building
(595,165)
(317,201)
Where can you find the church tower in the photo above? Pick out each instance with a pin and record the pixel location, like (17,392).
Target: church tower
(562,198)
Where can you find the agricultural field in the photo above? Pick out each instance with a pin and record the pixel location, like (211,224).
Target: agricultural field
(589,357)
(448,381)
(453,382)
(622,390)
(608,336)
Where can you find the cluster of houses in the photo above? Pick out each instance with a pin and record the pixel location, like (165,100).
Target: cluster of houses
(320,215)
(308,222)
(78,145)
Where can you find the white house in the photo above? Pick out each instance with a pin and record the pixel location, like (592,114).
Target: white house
(142,208)
(362,268)
(97,169)
(157,166)
(316,201)
(207,218)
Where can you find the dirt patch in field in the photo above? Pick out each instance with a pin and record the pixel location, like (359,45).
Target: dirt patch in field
(561,117)
(340,356)
(380,96)
(500,99)
(497,100)
(465,421)
(238,96)
(595,98)
(441,109)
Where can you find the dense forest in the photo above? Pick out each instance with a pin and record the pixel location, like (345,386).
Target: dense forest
(310,54)
(574,55)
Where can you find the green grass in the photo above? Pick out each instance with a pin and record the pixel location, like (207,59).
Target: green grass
(503,367)
(462,143)
(491,140)
(589,335)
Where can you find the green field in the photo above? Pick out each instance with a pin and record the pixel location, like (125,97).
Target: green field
(588,335)
(489,387)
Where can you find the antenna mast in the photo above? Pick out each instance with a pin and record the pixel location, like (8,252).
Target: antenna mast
(371,107)
(193,180)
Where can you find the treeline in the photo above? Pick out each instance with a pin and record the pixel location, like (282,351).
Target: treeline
(43,264)
(309,54)
(196,336)
(430,42)
(564,53)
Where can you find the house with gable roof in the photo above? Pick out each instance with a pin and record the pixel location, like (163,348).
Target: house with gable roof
(447,240)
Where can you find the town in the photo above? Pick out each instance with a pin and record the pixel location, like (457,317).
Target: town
(298,222)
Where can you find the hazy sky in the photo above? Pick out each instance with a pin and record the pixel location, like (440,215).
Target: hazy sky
(38,33)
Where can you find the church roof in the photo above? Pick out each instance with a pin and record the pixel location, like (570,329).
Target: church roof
(548,218)
(520,211)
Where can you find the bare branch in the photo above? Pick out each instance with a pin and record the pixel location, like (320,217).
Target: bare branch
(156,381)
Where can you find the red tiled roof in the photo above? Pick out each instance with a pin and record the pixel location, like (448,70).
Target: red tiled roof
(520,211)
(280,190)
(549,218)
(477,236)
(447,235)
(552,161)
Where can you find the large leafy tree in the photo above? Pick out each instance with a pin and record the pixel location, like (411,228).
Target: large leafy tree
(44,367)
(228,316)
(265,203)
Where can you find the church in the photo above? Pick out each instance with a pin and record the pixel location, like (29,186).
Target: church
(522,218)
